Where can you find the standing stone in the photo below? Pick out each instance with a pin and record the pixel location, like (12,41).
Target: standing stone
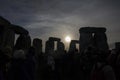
(23,42)
(73,47)
(49,46)
(8,38)
(7,35)
(60,46)
(94,36)
(86,39)
(37,44)
(101,41)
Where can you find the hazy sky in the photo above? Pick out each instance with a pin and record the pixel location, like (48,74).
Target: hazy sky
(44,18)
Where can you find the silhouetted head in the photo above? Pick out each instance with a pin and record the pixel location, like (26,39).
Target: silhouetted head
(89,51)
(19,54)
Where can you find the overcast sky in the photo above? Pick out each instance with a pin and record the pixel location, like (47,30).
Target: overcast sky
(44,18)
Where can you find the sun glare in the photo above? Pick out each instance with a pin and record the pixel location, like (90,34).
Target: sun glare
(67,39)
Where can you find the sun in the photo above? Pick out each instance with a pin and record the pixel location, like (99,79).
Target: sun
(67,38)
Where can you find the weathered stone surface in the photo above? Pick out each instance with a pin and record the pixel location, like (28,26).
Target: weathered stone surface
(7,32)
(16,28)
(54,39)
(101,41)
(75,41)
(86,39)
(92,29)
(60,47)
(23,42)
(37,44)
(7,37)
(3,21)
(49,46)
(72,46)
(19,30)
(93,36)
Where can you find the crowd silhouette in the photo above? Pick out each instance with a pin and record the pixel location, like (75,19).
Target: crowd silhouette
(23,61)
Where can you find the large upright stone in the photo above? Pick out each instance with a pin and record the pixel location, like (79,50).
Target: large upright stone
(60,47)
(100,39)
(7,35)
(23,42)
(7,32)
(94,36)
(86,39)
(8,38)
(72,47)
(37,44)
(49,46)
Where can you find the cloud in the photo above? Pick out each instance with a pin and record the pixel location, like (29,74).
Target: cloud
(61,17)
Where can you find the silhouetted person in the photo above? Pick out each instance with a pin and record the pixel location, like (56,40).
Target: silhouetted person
(30,63)
(101,70)
(17,70)
(50,66)
(4,60)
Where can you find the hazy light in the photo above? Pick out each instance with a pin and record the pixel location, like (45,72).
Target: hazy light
(67,38)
